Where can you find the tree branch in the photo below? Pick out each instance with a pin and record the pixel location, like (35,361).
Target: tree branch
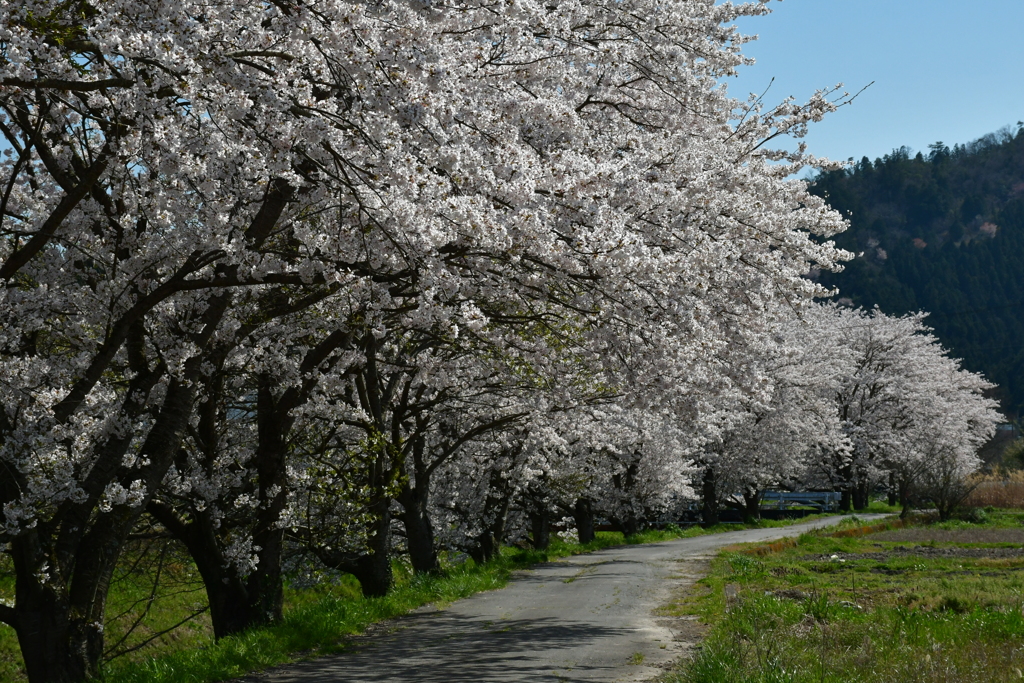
(61,84)
(56,217)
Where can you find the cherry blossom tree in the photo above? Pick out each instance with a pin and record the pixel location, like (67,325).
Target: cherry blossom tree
(778,430)
(181,180)
(905,406)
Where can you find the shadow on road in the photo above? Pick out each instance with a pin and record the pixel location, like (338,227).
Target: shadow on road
(444,648)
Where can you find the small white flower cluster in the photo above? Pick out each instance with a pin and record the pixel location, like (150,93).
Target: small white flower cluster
(116,494)
(570,534)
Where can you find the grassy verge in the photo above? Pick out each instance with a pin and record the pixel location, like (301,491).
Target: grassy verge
(867,608)
(878,506)
(318,620)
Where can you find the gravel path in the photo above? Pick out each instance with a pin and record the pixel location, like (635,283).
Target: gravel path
(585,618)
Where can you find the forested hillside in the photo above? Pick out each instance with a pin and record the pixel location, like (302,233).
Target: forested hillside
(943,232)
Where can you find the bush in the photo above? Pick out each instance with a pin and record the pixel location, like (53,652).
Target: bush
(974,515)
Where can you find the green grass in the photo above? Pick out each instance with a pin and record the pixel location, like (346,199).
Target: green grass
(318,619)
(879,506)
(802,616)
(136,609)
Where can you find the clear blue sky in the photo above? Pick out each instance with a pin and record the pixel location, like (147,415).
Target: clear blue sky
(949,70)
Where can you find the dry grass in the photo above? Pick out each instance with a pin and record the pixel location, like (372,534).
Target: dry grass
(787,543)
(859,531)
(1001,489)
(769,548)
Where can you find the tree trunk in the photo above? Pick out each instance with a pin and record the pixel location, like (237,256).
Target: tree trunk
(905,498)
(846,497)
(485,547)
(495,514)
(226,592)
(709,490)
(541,529)
(893,491)
(629,526)
(584,516)
(861,496)
(59,620)
(419,532)
(237,603)
(52,650)
(500,520)
(751,506)
(229,606)
(52,647)
(265,582)
(373,570)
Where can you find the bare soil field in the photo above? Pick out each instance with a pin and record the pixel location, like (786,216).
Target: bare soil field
(926,535)
(926,551)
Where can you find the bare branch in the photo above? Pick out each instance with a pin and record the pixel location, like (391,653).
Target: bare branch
(61,84)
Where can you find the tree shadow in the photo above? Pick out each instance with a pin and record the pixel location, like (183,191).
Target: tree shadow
(442,647)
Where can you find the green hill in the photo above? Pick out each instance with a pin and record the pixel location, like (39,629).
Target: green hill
(943,232)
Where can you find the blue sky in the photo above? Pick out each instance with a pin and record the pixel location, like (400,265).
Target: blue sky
(942,69)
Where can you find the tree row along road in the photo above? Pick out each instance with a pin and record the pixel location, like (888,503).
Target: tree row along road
(583,618)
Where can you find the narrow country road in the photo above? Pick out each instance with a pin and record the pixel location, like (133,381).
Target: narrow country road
(584,618)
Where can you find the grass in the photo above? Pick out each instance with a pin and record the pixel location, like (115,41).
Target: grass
(879,506)
(319,618)
(830,609)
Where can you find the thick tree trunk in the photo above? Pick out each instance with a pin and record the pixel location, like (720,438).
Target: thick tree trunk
(905,498)
(373,570)
(709,491)
(226,592)
(497,530)
(59,621)
(846,497)
(751,506)
(495,515)
(419,532)
(629,526)
(51,650)
(230,610)
(583,513)
(861,496)
(539,524)
(265,582)
(414,498)
(237,603)
(485,547)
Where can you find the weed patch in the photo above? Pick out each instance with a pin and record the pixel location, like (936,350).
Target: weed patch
(850,607)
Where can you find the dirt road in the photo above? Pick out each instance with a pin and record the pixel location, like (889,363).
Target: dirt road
(585,618)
